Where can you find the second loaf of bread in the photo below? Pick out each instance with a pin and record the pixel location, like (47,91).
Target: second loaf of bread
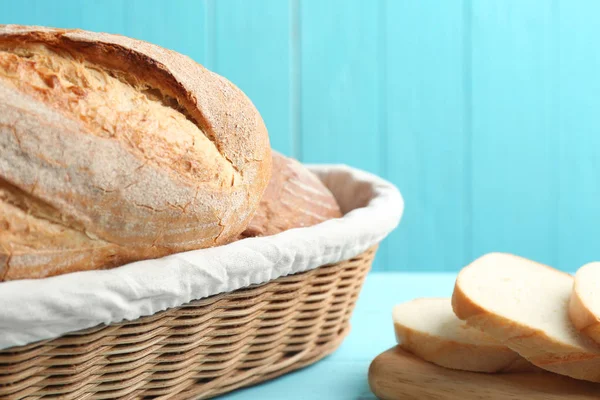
(295,198)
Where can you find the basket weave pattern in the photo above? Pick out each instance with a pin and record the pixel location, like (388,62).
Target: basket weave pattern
(198,350)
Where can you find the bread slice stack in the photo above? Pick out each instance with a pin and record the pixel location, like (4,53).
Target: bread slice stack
(525,305)
(506,306)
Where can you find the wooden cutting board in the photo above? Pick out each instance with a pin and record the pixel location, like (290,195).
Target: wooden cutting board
(398,375)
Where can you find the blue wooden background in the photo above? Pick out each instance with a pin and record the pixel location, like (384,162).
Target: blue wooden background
(486,114)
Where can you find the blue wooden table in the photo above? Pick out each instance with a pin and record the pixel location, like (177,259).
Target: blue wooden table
(343,375)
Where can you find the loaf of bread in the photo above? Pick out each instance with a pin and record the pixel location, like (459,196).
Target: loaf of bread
(295,198)
(114,150)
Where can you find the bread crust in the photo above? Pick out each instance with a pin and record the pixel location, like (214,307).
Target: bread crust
(294,198)
(580,313)
(99,187)
(579,362)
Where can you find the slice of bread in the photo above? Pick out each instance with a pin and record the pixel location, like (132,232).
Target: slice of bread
(525,305)
(429,329)
(584,308)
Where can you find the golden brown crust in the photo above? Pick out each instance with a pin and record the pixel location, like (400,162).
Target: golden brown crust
(111,187)
(582,317)
(4,260)
(114,105)
(462,305)
(32,247)
(294,198)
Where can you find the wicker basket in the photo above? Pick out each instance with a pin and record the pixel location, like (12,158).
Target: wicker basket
(199,350)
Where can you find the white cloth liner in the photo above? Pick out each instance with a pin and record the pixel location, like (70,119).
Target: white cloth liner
(32,310)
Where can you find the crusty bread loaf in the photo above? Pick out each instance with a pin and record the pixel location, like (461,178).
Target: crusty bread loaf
(584,307)
(294,198)
(113,150)
(429,329)
(524,305)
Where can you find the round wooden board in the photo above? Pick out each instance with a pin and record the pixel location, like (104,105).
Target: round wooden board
(398,375)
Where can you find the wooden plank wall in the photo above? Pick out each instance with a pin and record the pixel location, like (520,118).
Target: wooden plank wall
(484,113)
